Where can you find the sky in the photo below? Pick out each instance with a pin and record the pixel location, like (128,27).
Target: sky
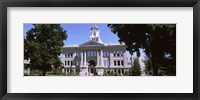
(79,33)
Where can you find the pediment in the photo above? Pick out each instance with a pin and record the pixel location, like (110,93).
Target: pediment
(92,43)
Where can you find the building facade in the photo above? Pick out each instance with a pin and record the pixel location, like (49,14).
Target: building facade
(95,58)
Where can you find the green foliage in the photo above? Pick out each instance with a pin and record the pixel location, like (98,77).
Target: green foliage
(106,73)
(158,40)
(130,72)
(42,46)
(77,71)
(136,71)
(56,71)
(148,69)
(126,73)
(112,73)
(167,71)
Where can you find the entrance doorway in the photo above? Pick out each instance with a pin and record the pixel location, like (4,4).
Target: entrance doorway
(91,66)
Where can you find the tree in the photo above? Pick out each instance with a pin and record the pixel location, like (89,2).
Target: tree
(136,71)
(158,40)
(42,46)
(147,70)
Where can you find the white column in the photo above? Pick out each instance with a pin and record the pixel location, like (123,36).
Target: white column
(101,58)
(84,58)
(125,60)
(97,58)
(81,58)
(109,59)
(74,71)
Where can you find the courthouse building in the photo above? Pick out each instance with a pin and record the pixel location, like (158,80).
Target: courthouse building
(95,58)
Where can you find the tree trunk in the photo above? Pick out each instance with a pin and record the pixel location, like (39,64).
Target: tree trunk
(155,67)
(155,70)
(44,73)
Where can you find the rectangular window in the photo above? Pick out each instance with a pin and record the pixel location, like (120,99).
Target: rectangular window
(68,55)
(108,54)
(91,53)
(95,53)
(68,63)
(118,53)
(104,54)
(122,63)
(65,63)
(88,53)
(118,63)
(71,54)
(115,62)
(71,63)
(104,63)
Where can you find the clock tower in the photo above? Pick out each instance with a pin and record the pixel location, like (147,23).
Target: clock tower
(95,34)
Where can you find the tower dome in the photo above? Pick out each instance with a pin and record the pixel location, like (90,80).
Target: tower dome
(95,27)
